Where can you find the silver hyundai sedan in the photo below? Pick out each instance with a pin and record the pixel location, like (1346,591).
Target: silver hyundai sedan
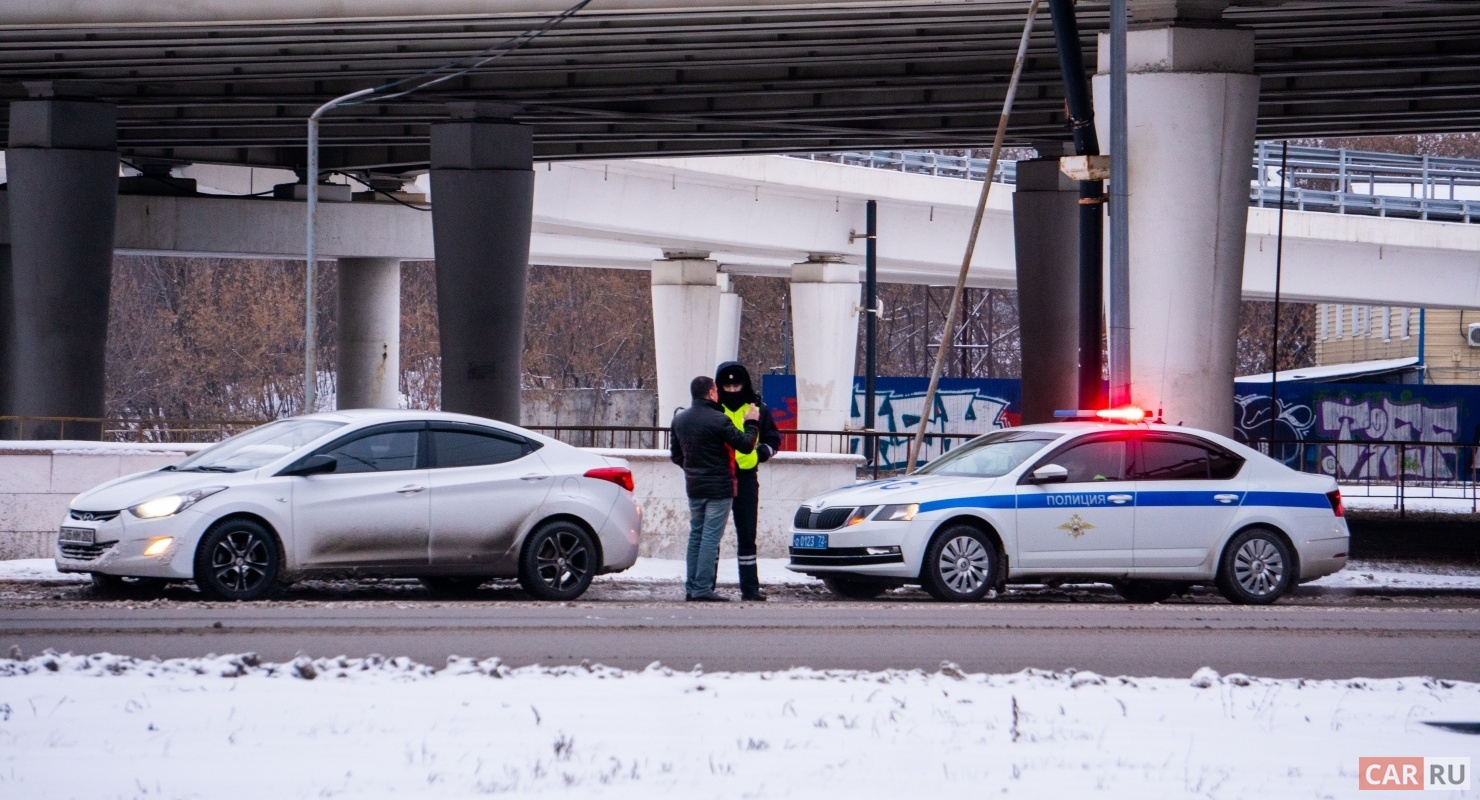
(451,499)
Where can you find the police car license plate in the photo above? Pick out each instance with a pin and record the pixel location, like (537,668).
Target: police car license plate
(809,541)
(77,535)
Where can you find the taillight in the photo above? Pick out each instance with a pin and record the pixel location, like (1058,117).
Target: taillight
(621,476)
(1335,497)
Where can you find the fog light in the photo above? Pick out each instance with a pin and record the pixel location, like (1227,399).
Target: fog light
(882,551)
(158,546)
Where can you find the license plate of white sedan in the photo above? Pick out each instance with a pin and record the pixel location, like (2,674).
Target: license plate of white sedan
(809,541)
(77,535)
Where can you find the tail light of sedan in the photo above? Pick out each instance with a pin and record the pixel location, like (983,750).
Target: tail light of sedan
(1335,497)
(621,476)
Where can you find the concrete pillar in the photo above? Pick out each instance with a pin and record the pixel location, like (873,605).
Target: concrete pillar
(368,361)
(727,339)
(824,323)
(62,166)
(1045,222)
(1192,105)
(686,314)
(482,208)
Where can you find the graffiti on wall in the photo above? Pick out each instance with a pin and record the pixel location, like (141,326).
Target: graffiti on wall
(972,410)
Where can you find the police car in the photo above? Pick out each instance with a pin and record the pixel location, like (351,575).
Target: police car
(1102,496)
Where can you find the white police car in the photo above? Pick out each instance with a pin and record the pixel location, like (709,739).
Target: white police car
(1149,508)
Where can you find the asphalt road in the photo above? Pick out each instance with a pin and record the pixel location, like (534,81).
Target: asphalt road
(1110,638)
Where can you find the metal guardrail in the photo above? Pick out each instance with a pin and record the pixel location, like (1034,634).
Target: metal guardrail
(119,429)
(1321,179)
(1397,471)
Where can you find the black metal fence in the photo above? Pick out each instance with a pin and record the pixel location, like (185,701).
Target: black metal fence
(1400,471)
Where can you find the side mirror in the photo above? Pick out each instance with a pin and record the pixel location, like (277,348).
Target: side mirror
(314,465)
(1049,473)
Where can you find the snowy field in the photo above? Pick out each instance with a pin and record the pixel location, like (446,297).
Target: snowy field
(112,727)
(661,571)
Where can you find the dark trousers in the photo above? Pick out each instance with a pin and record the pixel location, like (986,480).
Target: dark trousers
(747,501)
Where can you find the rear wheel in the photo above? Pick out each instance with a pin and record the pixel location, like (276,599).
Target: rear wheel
(238,559)
(1257,568)
(453,586)
(558,562)
(855,589)
(124,586)
(1145,591)
(960,565)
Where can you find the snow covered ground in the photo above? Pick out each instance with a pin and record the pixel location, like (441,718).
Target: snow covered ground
(228,727)
(1357,575)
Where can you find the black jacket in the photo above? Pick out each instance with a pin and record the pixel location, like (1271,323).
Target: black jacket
(702,440)
(770,438)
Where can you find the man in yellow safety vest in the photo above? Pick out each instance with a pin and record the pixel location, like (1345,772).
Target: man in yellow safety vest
(736,398)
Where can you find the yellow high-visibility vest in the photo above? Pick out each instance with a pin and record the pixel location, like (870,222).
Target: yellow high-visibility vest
(743,460)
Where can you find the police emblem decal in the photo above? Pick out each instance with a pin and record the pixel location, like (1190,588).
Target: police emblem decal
(1076,526)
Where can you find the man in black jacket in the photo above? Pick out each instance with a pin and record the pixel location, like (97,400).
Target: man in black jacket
(702,443)
(737,398)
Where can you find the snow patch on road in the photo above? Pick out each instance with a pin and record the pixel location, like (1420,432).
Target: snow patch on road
(379,727)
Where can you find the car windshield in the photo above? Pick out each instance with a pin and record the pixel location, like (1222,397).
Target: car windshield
(990,456)
(258,447)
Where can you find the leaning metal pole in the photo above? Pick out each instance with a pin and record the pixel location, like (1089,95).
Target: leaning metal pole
(1118,323)
(954,312)
(1091,203)
(310,321)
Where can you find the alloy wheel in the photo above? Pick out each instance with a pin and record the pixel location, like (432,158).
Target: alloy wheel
(562,560)
(964,563)
(1258,567)
(241,561)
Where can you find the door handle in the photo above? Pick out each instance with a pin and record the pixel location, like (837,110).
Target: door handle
(1120,499)
(411,489)
(1225,498)
(534,476)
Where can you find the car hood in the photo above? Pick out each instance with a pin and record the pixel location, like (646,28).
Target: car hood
(130,490)
(910,489)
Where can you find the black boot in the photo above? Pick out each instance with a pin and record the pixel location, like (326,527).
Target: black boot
(750,584)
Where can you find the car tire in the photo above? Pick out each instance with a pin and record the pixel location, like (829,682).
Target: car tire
(453,585)
(1145,591)
(558,562)
(238,559)
(961,565)
(124,586)
(855,589)
(1257,568)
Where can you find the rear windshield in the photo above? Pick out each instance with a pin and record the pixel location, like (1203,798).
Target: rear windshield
(990,456)
(258,447)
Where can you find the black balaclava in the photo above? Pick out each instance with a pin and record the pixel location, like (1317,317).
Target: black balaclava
(734,372)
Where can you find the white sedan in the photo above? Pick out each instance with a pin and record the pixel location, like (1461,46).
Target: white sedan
(1149,508)
(451,499)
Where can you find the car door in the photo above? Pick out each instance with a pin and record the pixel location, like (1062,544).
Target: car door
(373,510)
(485,484)
(1187,495)
(1083,524)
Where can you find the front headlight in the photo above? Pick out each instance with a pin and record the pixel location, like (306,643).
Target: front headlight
(172,504)
(899,513)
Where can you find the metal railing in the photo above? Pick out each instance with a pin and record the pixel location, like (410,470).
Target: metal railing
(1321,179)
(1396,471)
(122,429)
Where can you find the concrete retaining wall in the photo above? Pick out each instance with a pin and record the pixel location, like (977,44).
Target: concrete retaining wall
(39,479)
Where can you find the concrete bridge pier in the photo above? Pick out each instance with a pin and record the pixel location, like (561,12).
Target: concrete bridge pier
(1045,225)
(824,319)
(1192,103)
(482,169)
(368,361)
(62,166)
(727,339)
(687,306)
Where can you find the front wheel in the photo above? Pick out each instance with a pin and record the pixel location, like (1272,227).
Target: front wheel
(238,559)
(558,562)
(960,565)
(1257,568)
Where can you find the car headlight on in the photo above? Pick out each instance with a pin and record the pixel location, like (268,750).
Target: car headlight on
(173,503)
(898,513)
(860,514)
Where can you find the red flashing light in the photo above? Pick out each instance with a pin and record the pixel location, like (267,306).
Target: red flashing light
(1334,496)
(621,476)
(1127,414)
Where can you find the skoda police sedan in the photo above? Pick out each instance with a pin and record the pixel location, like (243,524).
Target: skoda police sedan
(1151,509)
(451,499)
